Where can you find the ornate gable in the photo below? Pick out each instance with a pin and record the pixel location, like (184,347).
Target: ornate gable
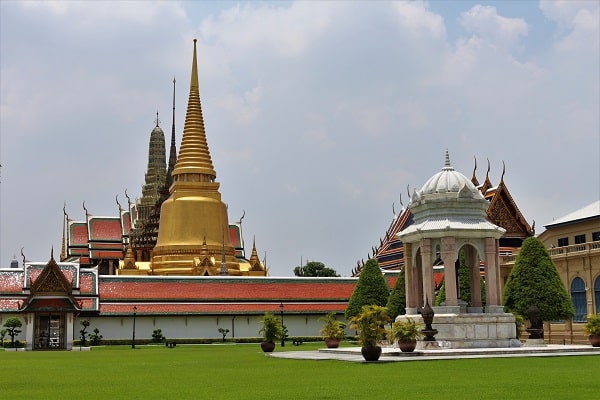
(51,290)
(51,280)
(504,212)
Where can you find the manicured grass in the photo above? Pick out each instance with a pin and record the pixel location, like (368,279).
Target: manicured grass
(242,371)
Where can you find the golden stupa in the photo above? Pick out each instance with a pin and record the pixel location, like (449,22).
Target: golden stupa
(193,235)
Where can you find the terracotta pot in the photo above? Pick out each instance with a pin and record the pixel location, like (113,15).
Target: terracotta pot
(371,353)
(595,340)
(267,347)
(407,347)
(332,343)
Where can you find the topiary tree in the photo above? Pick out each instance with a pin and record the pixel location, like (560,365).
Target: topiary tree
(534,280)
(83,333)
(371,289)
(396,304)
(12,326)
(96,337)
(157,336)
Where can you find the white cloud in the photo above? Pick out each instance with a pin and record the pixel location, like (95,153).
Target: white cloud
(415,18)
(494,29)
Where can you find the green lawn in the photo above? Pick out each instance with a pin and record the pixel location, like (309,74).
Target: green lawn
(242,371)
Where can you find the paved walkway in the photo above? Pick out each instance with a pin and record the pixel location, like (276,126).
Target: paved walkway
(393,354)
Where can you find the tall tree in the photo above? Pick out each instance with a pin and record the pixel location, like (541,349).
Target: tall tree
(314,268)
(534,280)
(371,289)
(396,304)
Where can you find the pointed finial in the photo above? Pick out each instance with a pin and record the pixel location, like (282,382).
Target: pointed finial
(128,200)
(474,168)
(87,214)
(447,166)
(503,171)
(488,169)
(194,82)
(118,204)
(52,253)
(157,121)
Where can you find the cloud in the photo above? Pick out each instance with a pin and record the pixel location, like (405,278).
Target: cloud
(494,29)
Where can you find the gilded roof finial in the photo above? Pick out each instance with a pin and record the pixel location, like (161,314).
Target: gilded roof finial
(194,155)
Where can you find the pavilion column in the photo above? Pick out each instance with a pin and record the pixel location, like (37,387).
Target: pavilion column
(449,257)
(492,275)
(410,281)
(475,277)
(427,268)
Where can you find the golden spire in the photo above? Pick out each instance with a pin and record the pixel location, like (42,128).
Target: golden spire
(194,162)
(194,218)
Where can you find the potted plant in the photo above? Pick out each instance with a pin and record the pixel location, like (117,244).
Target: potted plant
(270,331)
(406,334)
(332,330)
(370,325)
(592,329)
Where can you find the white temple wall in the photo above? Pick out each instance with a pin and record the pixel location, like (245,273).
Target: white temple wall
(197,326)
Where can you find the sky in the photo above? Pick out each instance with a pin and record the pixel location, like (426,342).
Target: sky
(319,115)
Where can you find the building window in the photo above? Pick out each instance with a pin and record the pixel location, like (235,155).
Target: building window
(578,299)
(563,242)
(597,294)
(579,239)
(595,236)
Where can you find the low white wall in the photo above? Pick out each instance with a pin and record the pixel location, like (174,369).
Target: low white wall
(193,327)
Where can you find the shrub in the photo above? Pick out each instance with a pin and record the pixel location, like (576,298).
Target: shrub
(157,336)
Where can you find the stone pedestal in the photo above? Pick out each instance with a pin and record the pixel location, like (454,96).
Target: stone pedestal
(423,345)
(472,330)
(534,343)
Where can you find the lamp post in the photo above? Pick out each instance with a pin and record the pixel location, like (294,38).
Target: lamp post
(133,337)
(282,326)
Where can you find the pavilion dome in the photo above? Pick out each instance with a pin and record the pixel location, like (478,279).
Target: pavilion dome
(448,181)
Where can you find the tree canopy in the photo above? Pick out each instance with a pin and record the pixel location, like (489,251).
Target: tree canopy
(314,268)
(371,289)
(534,280)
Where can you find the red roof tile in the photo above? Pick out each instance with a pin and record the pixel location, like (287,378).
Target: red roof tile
(11,281)
(78,234)
(224,290)
(105,228)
